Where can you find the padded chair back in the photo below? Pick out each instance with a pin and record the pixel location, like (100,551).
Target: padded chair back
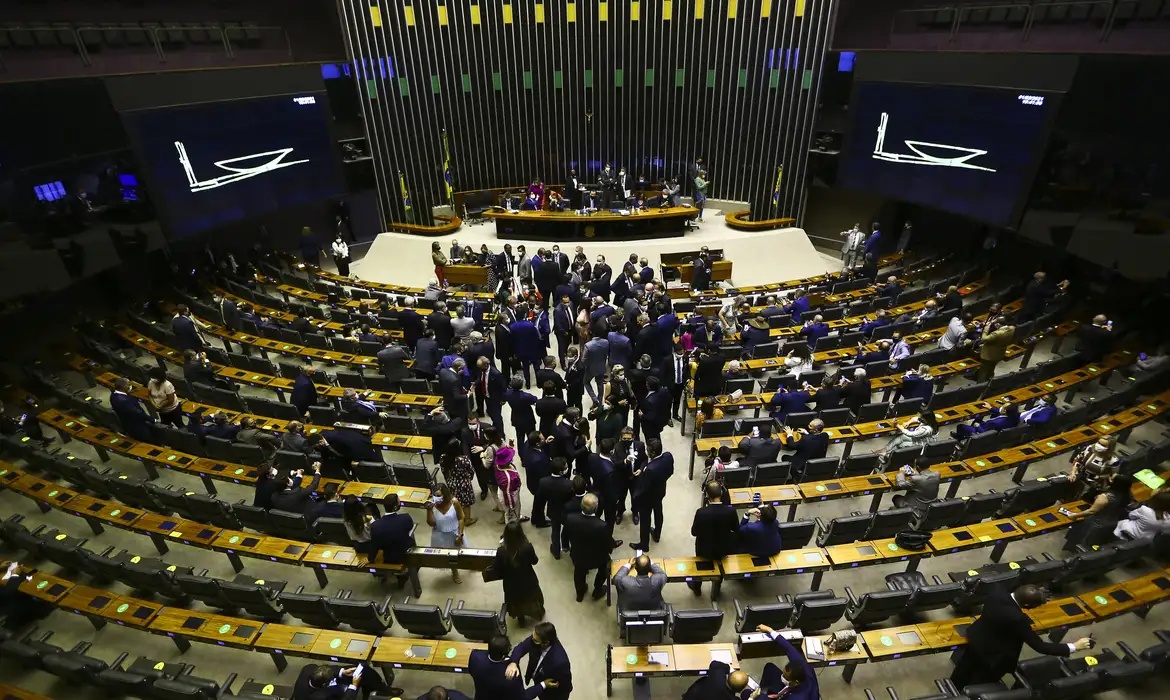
(738,478)
(291,525)
(942,513)
(835,417)
(287,459)
(361,615)
(75,667)
(871,412)
(206,509)
(202,588)
(981,506)
(255,599)
(877,606)
(721,427)
(422,620)
(695,626)
(772,474)
(479,625)
(796,534)
(774,615)
(849,528)
(888,523)
(814,614)
(413,475)
(313,610)
(860,465)
(933,597)
(820,469)
(251,517)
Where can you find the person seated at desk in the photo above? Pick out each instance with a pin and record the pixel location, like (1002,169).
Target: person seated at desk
(641,590)
(900,351)
(360,408)
(920,484)
(294,498)
(890,290)
(814,330)
(556,202)
(392,534)
(993,420)
(800,304)
(710,333)
(215,425)
(735,370)
(916,384)
(882,354)
(1041,412)
(719,683)
(251,435)
(880,320)
(19,608)
(1151,363)
(788,401)
(798,680)
(813,444)
(339,449)
(1147,520)
(321,682)
(530,203)
(197,369)
(759,533)
(488,670)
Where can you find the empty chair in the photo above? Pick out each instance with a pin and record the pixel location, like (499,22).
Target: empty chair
(204,589)
(875,607)
(981,506)
(695,626)
(835,417)
(479,625)
(293,526)
(772,474)
(1041,573)
(74,666)
(1086,564)
(737,478)
(413,475)
(722,427)
(364,615)
(251,517)
(860,465)
(287,459)
(941,513)
(323,415)
(820,469)
(309,608)
(923,597)
(796,534)
(372,472)
(206,509)
(849,528)
(816,610)
(976,588)
(888,523)
(423,620)
(871,412)
(257,600)
(774,615)
(150,579)
(800,420)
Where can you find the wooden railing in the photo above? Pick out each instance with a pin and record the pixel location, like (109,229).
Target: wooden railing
(739,220)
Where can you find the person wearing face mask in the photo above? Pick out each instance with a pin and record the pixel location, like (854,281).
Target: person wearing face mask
(797,681)
(1093,466)
(560,259)
(548,668)
(267,484)
(447,521)
(629,457)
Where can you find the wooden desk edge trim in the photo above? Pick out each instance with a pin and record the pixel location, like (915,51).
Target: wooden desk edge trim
(450,224)
(738,220)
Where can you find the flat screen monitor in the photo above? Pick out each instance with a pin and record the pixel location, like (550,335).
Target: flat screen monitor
(645,632)
(215,163)
(971,151)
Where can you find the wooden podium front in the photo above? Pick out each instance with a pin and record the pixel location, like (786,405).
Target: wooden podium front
(466,274)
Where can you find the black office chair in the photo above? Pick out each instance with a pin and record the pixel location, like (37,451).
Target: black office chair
(774,615)
(363,615)
(293,526)
(737,478)
(423,620)
(941,513)
(289,460)
(772,474)
(479,625)
(75,666)
(251,517)
(309,608)
(816,610)
(258,600)
(695,626)
(820,469)
(797,533)
(875,606)
(923,597)
(849,528)
(888,523)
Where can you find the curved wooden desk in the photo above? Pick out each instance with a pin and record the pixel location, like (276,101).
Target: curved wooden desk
(445,224)
(566,225)
(739,220)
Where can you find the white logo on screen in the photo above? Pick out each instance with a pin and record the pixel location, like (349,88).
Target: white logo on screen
(926,153)
(1033,100)
(236,172)
(305,100)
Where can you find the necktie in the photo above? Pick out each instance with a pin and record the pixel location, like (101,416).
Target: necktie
(678,366)
(484,384)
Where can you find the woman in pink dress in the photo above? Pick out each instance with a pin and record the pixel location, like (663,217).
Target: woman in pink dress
(508,481)
(537,190)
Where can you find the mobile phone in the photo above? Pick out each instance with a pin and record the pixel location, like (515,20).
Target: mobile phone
(1066,512)
(756,497)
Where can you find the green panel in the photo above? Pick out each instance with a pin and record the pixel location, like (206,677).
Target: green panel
(435,88)
(497,81)
(589,77)
(371,89)
(558,79)
(619,77)
(807,82)
(680,77)
(710,77)
(527,80)
(466,82)
(774,80)
(649,77)
(404,87)
(742,77)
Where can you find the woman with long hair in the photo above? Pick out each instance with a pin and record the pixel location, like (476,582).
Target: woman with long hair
(1095,526)
(164,398)
(799,360)
(514,562)
(445,516)
(1147,520)
(493,440)
(459,474)
(707,411)
(440,261)
(357,518)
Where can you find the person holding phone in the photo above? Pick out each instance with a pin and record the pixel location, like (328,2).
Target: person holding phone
(17,607)
(920,484)
(759,532)
(324,682)
(797,681)
(446,518)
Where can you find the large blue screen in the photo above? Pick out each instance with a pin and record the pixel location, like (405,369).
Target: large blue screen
(215,163)
(972,151)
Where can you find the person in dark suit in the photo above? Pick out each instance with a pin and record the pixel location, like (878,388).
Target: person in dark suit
(813,444)
(828,395)
(1037,293)
(304,391)
(701,272)
(453,391)
(758,449)
(645,337)
(392,534)
(564,325)
(186,332)
(550,407)
(294,498)
(546,277)
(489,391)
(1094,339)
(536,460)
(521,403)
(548,505)
(787,401)
(133,418)
(590,544)
(654,411)
(392,360)
(998,635)
(719,683)
(412,323)
(527,345)
(798,680)
(715,529)
(548,373)
(856,392)
(675,375)
(488,670)
(339,449)
(548,667)
(321,682)
(440,322)
(229,315)
(427,356)
(560,259)
(574,378)
(648,491)
(916,384)
(596,366)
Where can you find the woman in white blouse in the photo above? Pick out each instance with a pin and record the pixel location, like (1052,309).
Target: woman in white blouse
(341,255)
(1147,520)
(917,431)
(163,398)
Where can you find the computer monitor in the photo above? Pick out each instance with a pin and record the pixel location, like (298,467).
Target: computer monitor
(50,191)
(644,632)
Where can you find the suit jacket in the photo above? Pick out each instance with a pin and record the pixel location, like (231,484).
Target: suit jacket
(1000,633)
(546,278)
(412,325)
(827,397)
(712,686)
(785,403)
(453,393)
(392,359)
(758,451)
(619,349)
(715,529)
(427,356)
(552,494)
(490,682)
(390,535)
(798,307)
(645,341)
(995,343)
(295,500)
(550,375)
(656,409)
(495,386)
(811,446)
(814,331)
(304,393)
(640,592)
(549,409)
(596,358)
(556,666)
(440,323)
(303,691)
(186,335)
(474,352)
(856,393)
(591,539)
(1093,341)
(229,315)
(808,689)
(346,447)
(130,413)
(564,319)
(526,341)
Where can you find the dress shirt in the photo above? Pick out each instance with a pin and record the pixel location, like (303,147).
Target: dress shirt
(954,335)
(900,352)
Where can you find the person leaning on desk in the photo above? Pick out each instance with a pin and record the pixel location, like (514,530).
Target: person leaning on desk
(798,680)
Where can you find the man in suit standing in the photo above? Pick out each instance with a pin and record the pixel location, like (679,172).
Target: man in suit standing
(392,360)
(596,362)
(654,412)
(701,272)
(440,322)
(856,392)
(548,505)
(647,493)
(1094,339)
(488,669)
(574,378)
(229,315)
(546,277)
(392,534)
(573,188)
(322,682)
(675,374)
(412,323)
(489,391)
(561,259)
(527,344)
(590,544)
(548,664)
(564,324)
(427,356)
(304,391)
(993,349)
(813,444)
(452,390)
(133,418)
(186,329)
(715,529)
(996,638)
(294,498)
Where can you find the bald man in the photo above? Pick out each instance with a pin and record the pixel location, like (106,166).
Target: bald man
(720,683)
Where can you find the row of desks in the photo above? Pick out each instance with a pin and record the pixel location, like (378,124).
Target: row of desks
(714,295)
(164,530)
(953,414)
(397,289)
(279,641)
(1056,616)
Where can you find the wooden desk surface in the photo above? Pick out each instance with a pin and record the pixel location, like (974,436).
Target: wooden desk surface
(390,288)
(635,660)
(11,692)
(1110,601)
(896,642)
(802,561)
(684,212)
(695,658)
(854,554)
(206,627)
(740,566)
(719,295)
(1151,588)
(1059,614)
(453,655)
(944,634)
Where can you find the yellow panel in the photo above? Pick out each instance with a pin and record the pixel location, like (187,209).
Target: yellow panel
(635,11)
(765,8)
(700,8)
(667,9)
(539,12)
(475,18)
(571,12)
(507,14)
(799,9)
(376,16)
(732,8)
(408,13)
(443,15)
(603,12)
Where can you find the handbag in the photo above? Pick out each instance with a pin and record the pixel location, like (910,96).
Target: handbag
(914,540)
(491,574)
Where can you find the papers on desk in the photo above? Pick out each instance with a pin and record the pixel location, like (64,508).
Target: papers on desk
(814,650)
(658,658)
(723,655)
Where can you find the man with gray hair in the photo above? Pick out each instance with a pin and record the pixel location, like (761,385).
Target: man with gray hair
(855,392)
(852,246)
(412,323)
(452,390)
(640,589)
(591,542)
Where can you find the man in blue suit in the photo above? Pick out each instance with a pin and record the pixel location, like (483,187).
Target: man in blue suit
(186,333)
(619,349)
(1041,412)
(882,354)
(134,419)
(881,318)
(648,492)
(785,402)
(527,344)
(548,668)
(489,671)
(995,419)
(391,535)
(564,322)
(708,334)
(799,305)
(873,243)
(655,410)
(814,330)
(798,680)
(304,392)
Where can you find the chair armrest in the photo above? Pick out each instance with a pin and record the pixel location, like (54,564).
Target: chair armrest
(300,589)
(820,525)
(106,552)
(945,685)
(739,610)
(204,573)
(1163,636)
(1127,650)
(116,664)
(1021,680)
(850,595)
(343,594)
(869,695)
(80,648)
(385,606)
(937,580)
(893,693)
(1047,556)
(447,608)
(460,606)
(226,686)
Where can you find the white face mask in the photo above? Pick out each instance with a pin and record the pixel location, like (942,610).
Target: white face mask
(600,261)
(1100,448)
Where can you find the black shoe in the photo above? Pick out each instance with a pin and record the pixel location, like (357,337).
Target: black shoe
(555,554)
(618,520)
(541,525)
(483,495)
(635,518)
(655,534)
(395,692)
(636,546)
(599,594)
(617,543)
(580,597)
